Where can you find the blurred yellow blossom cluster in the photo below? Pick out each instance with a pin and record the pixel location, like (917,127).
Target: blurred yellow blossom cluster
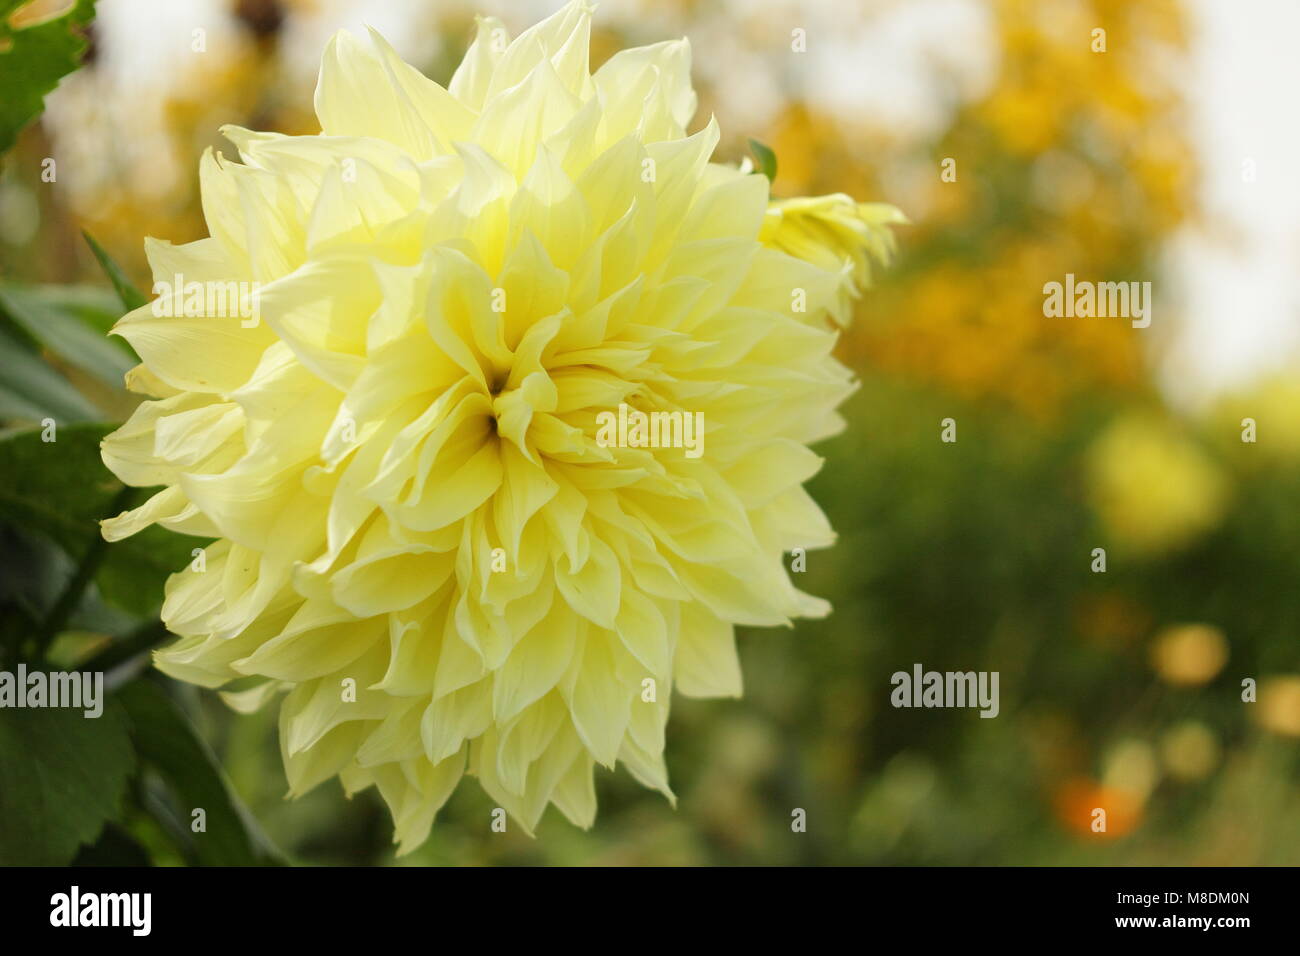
(1153,487)
(1073,161)
(1269,408)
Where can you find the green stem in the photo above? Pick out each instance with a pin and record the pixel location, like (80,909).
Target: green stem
(71,595)
(122,649)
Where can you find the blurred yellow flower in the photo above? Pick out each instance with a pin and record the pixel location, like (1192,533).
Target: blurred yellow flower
(1131,767)
(1278,705)
(1273,410)
(1189,654)
(1153,487)
(1189,750)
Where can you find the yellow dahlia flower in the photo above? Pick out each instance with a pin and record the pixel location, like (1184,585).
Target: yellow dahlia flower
(421,536)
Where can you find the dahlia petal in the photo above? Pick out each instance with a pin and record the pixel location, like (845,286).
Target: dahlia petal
(396,738)
(308,769)
(320,312)
(414,651)
(516,121)
(316,707)
(575,792)
(451,720)
(318,640)
(195,354)
(473,76)
(562,40)
(524,738)
(535,665)
(252,699)
(706,664)
(443,114)
(633,72)
(350,75)
(599,702)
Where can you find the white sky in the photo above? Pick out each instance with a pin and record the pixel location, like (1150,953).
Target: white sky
(1238,279)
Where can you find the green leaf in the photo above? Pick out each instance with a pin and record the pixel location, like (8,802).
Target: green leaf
(62,490)
(115,847)
(64,775)
(31,390)
(765,158)
(66,335)
(138,567)
(37,571)
(166,740)
(96,306)
(33,60)
(132,298)
(61,487)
